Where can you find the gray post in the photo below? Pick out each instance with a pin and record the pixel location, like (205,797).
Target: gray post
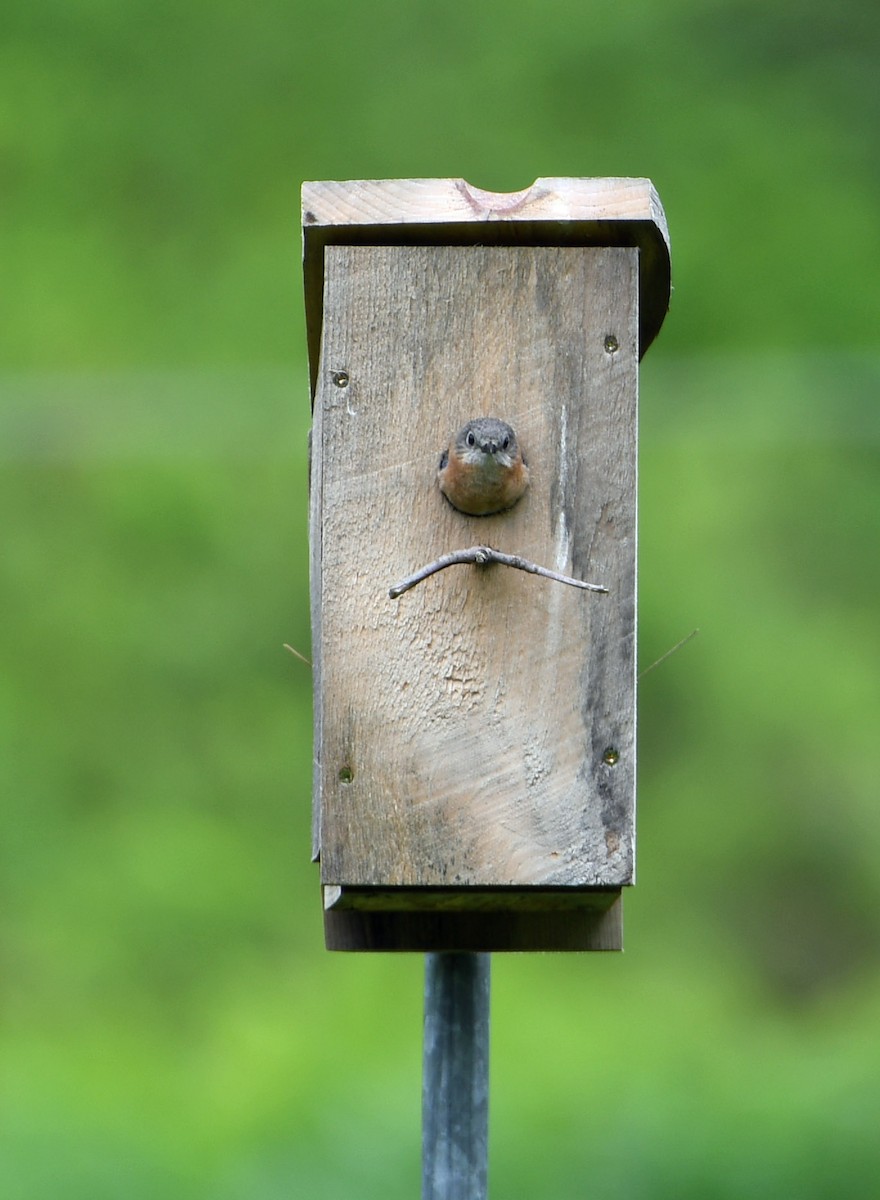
(455,1084)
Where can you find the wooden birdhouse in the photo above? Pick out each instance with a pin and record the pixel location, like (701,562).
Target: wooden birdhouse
(475,733)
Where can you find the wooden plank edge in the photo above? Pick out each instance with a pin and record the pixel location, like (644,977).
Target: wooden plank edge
(577,930)
(432,201)
(470,899)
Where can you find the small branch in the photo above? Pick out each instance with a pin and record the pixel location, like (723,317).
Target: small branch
(296,654)
(481,555)
(663,657)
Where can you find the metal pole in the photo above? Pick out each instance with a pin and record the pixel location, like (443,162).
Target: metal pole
(455,1082)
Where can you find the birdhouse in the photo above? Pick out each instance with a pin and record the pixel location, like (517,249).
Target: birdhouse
(475,743)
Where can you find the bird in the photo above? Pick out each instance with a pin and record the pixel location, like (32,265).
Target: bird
(483,470)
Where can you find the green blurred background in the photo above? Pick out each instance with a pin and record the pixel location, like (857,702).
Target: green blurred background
(171,1023)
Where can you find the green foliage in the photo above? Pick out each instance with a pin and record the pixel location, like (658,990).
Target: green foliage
(172,1025)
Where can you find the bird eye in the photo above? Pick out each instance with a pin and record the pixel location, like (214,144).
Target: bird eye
(506,443)
(470,439)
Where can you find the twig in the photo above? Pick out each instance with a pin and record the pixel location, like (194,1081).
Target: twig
(663,657)
(296,654)
(481,555)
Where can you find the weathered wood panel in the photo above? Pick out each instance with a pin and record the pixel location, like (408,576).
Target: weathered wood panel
(480,730)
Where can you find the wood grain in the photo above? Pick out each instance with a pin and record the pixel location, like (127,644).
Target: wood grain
(463,731)
(418,201)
